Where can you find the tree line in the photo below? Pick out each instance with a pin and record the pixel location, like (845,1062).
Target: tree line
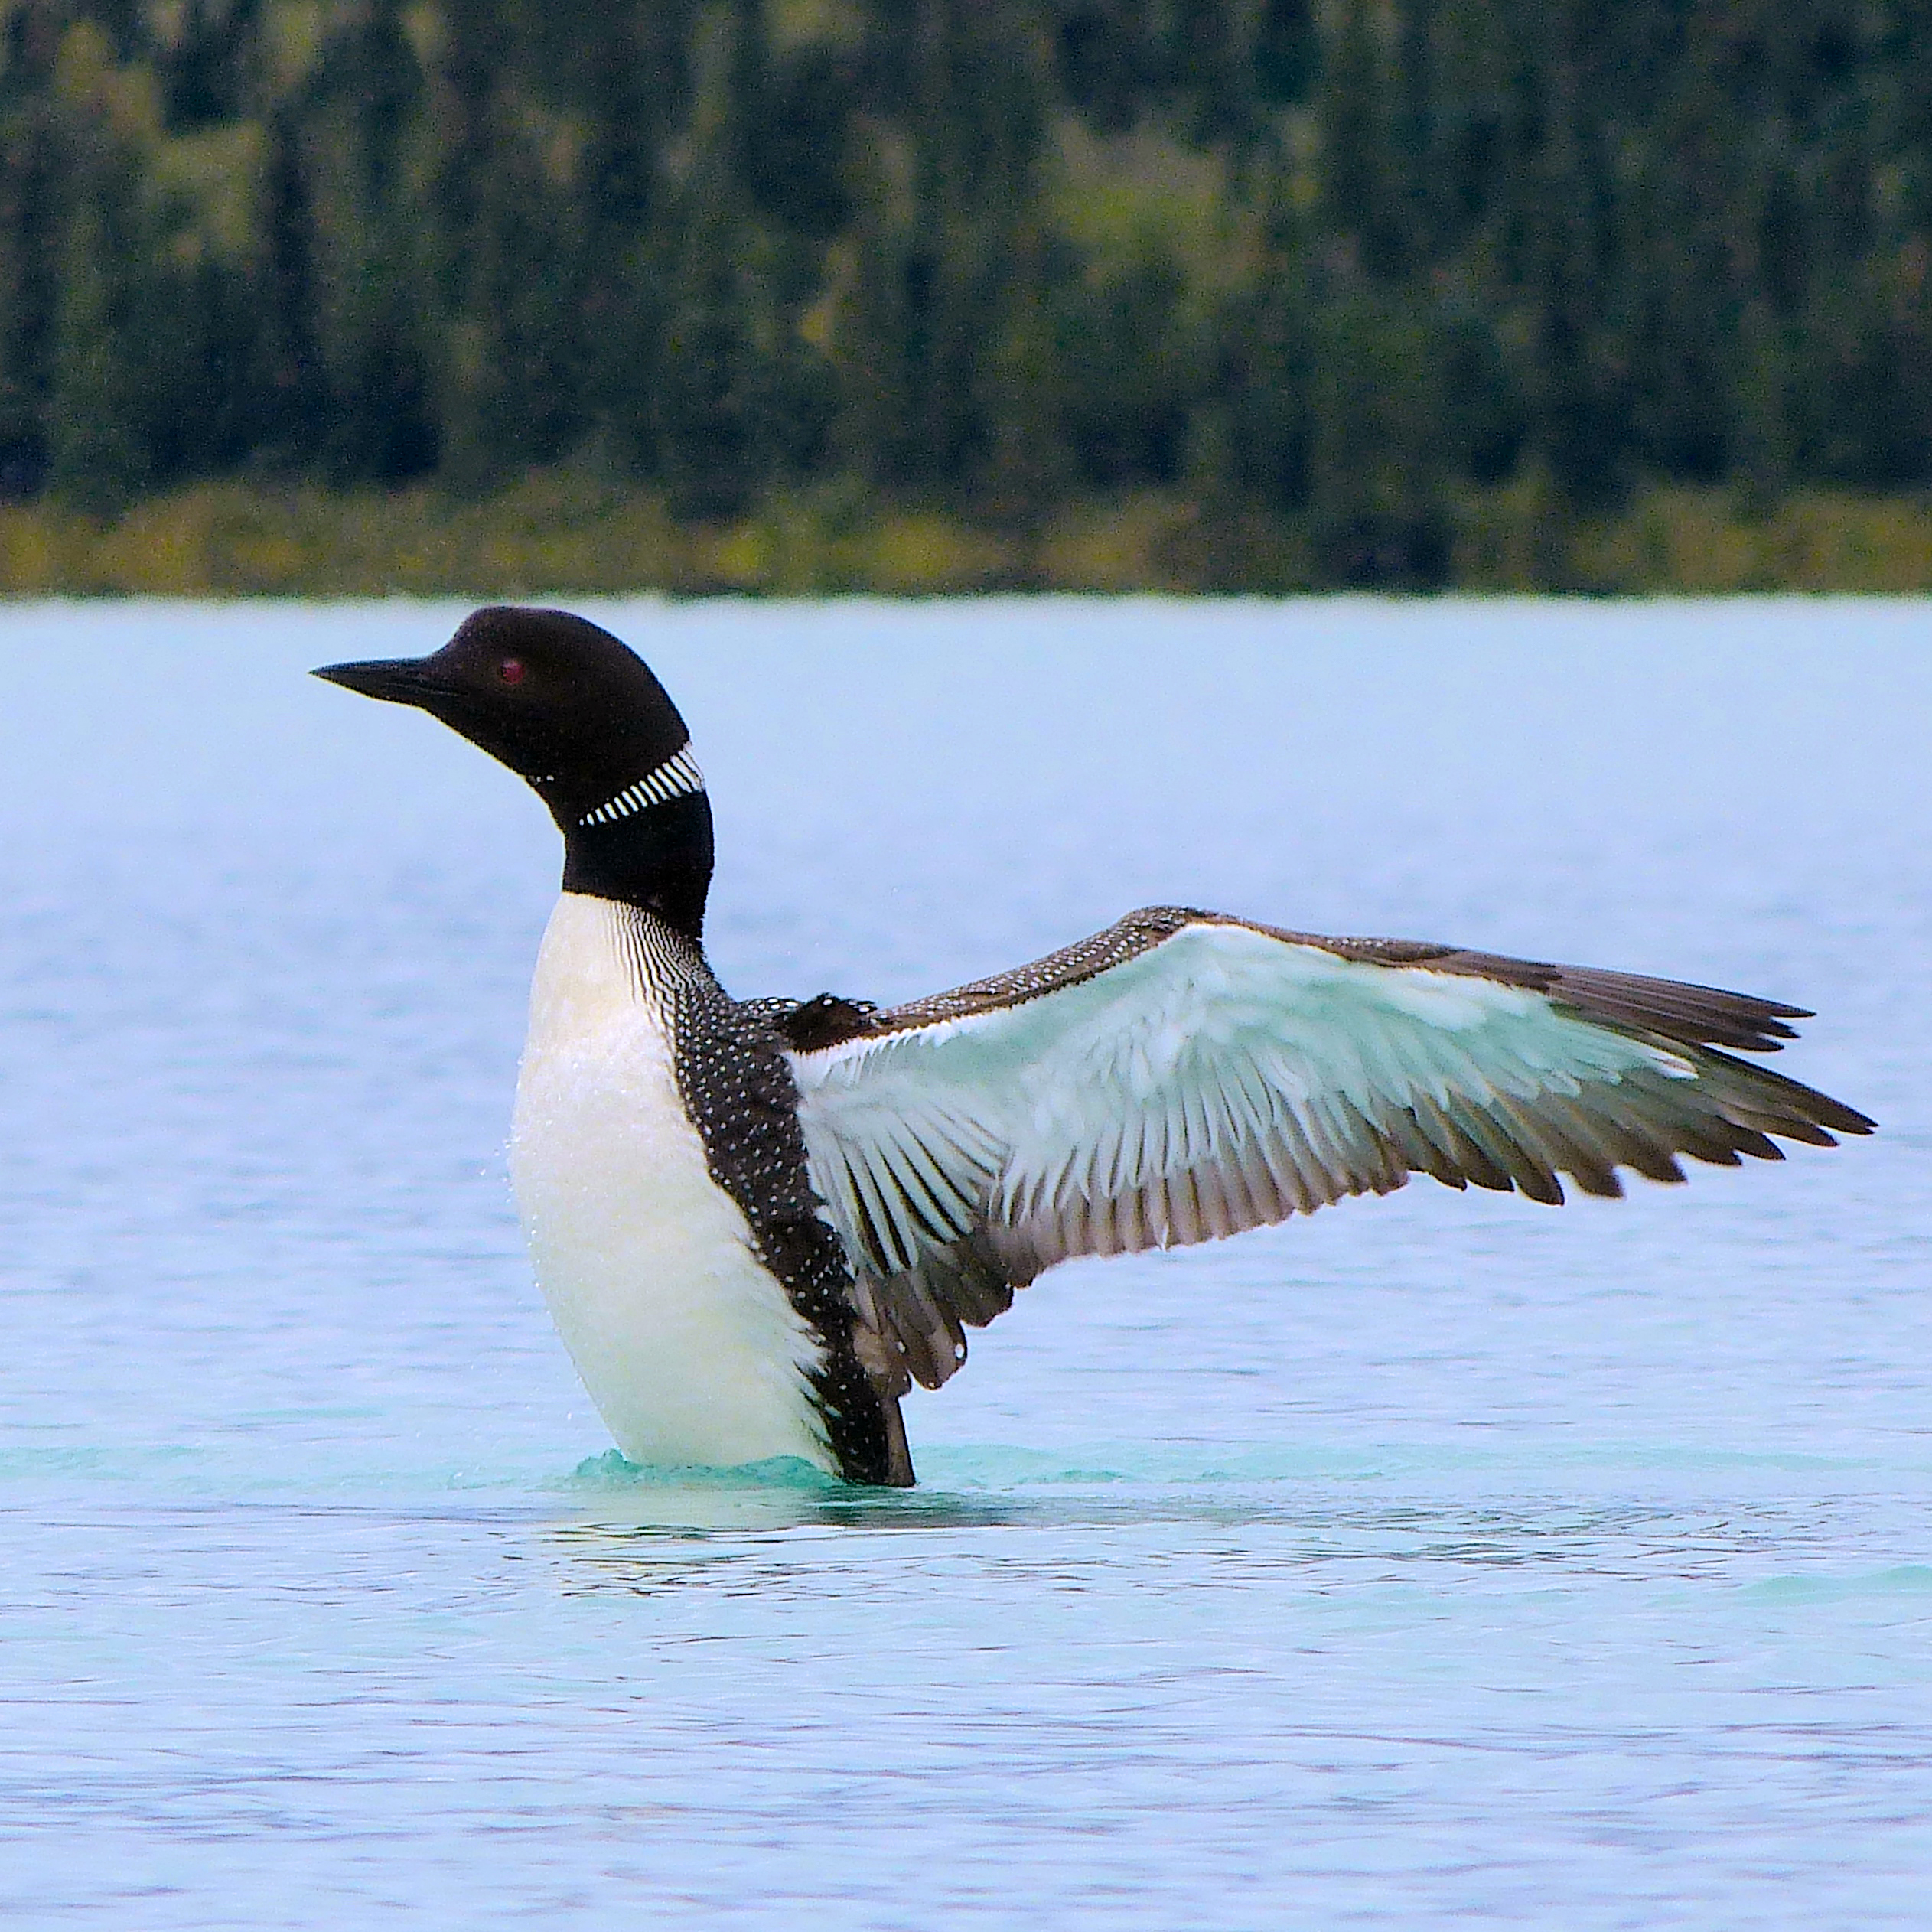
(1340,259)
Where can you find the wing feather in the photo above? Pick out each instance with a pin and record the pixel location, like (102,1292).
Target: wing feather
(1183,1075)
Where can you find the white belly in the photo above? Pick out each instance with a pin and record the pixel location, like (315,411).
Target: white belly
(690,1348)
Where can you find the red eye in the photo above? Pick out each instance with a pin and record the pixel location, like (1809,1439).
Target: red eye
(511,671)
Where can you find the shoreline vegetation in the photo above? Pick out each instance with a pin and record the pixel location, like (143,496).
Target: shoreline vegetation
(559,531)
(930,296)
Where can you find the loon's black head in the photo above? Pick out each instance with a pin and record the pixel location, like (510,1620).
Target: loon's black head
(580,717)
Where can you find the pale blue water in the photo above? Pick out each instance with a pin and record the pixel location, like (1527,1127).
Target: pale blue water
(1439,1559)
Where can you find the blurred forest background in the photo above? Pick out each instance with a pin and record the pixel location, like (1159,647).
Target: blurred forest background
(494,296)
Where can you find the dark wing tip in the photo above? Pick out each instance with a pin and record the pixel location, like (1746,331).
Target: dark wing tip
(1800,1112)
(1693,1015)
(1754,1103)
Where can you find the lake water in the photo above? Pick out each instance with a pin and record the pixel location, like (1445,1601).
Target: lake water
(1441,1558)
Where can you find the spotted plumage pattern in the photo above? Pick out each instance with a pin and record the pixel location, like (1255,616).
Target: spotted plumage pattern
(1084,960)
(738,1091)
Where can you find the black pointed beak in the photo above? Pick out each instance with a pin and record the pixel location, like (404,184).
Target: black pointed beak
(395,680)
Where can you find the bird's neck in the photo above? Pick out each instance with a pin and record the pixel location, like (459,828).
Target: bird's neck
(658,858)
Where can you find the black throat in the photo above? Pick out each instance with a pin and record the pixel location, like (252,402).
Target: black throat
(657,855)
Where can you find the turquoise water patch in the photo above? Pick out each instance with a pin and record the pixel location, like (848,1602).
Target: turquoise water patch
(614,1471)
(1895,1580)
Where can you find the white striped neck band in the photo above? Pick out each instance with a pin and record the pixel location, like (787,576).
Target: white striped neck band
(678,777)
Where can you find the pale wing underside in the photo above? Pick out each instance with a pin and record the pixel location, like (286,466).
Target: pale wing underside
(1182,1076)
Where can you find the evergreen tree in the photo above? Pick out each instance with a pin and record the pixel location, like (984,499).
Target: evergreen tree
(1286,52)
(1267,355)
(877,352)
(1102,64)
(636,88)
(99,393)
(1764,452)
(205,73)
(1578,408)
(366,90)
(1123,336)
(1378,504)
(31,259)
(714,385)
(711,450)
(99,460)
(1362,192)
(291,431)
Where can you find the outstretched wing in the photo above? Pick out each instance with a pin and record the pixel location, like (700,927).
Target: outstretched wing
(1183,1075)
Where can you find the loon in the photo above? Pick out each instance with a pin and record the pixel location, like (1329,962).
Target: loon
(758,1222)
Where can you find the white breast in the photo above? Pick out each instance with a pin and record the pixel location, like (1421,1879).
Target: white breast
(690,1348)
